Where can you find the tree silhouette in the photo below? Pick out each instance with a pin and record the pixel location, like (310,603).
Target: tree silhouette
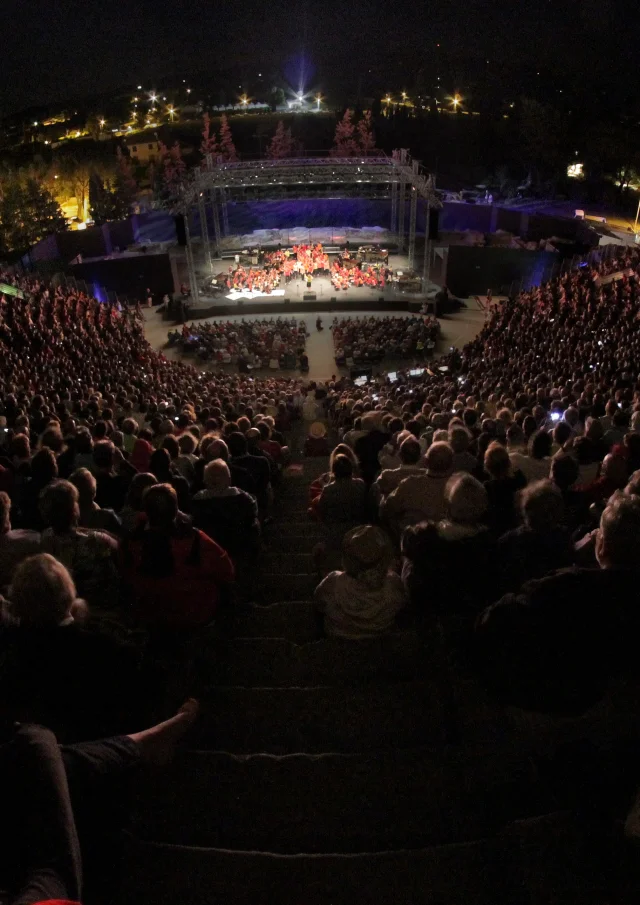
(280,144)
(366,138)
(209,145)
(28,213)
(227,147)
(344,143)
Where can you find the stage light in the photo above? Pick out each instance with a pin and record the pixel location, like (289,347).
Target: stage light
(139,87)
(318,99)
(35,124)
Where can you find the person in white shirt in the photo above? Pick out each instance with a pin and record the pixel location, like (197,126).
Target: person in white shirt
(363,600)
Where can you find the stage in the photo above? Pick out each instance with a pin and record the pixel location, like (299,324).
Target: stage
(295,295)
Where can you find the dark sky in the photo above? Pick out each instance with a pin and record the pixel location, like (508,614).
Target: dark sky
(58,50)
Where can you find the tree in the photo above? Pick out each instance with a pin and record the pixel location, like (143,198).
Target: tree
(276,98)
(28,213)
(280,144)
(366,138)
(344,143)
(209,145)
(227,147)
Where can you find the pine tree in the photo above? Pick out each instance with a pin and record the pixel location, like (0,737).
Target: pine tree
(227,147)
(344,143)
(209,145)
(366,137)
(28,213)
(280,144)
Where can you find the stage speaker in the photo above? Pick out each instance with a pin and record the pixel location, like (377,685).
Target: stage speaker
(309,297)
(434,220)
(181,233)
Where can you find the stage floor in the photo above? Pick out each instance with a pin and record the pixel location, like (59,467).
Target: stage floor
(295,290)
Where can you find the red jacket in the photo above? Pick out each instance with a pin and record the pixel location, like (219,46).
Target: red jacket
(189,595)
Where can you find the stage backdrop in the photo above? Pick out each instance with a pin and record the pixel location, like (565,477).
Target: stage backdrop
(471,271)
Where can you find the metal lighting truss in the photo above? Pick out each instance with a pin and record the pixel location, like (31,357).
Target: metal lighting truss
(215,183)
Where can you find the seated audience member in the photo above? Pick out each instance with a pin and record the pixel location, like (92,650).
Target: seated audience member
(141,455)
(176,574)
(564,474)
(420,497)
(457,549)
(555,645)
(92,515)
(44,469)
(589,463)
(369,446)
(613,476)
(269,444)
(463,459)
(80,684)
(364,599)
(186,460)
(537,464)
(316,443)
(502,486)
(15,545)
(542,543)
(90,556)
(226,514)
(132,512)
(160,466)
(111,488)
(343,500)
(214,448)
(256,466)
(409,455)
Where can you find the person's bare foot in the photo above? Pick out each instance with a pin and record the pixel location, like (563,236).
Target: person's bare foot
(158,744)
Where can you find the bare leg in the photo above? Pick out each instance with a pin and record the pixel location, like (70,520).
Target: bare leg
(157,745)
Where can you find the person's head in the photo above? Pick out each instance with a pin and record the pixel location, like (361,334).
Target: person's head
(459,439)
(170,443)
(187,444)
(561,432)
(20,447)
(139,484)
(83,442)
(59,506)
(633,484)
(85,484)
(618,538)
(542,506)
(497,463)
(342,449)
(409,451)
(44,467)
(614,469)
(160,463)
(216,475)
(104,455)
(439,459)
(5,512)
(564,471)
(129,427)
(342,468)
(42,592)
(237,444)
(160,504)
(466,499)
(52,439)
(540,445)
(367,554)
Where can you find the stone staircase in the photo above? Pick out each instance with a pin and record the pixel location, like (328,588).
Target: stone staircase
(325,773)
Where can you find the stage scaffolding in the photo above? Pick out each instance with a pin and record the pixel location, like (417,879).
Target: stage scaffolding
(212,186)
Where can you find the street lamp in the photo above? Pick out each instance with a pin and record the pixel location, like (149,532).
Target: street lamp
(102,123)
(456,100)
(318,99)
(153,97)
(171,110)
(244,100)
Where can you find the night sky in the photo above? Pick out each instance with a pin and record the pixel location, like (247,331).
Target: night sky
(55,51)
